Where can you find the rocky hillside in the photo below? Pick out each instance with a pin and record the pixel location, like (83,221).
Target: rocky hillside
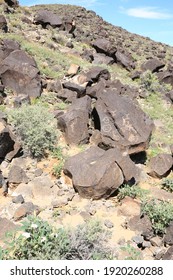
(86,127)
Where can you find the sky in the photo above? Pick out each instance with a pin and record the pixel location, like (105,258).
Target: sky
(149,18)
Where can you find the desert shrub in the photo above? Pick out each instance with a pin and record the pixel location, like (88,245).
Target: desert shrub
(132,191)
(36,127)
(167,185)
(150,82)
(40,241)
(131,252)
(58,154)
(160,214)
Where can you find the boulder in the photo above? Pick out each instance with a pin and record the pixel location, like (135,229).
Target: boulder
(20,73)
(74,123)
(169,254)
(94,173)
(166,77)
(3,24)
(168,238)
(160,165)
(7,46)
(75,87)
(122,124)
(101,58)
(96,73)
(25,209)
(154,65)
(125,60)
(41,187)
(104,46)
(17,175)
(45,17)
(67,95)
(9,146)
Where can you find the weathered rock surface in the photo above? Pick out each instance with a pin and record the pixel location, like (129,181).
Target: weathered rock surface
(19,72)
(96,73)
(169,254)
(12,3)
(25,209)
(9,146)
(3,24)
(104,46)
(6,226)
(124,60)
(74,123)
(94,173)
(168,238)
(45,17)
(154,65)
(17,175)
(122,123)
(160,165)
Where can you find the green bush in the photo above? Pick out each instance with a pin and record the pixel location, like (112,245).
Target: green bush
(36,127)
(132,191)
(160,214)
(150,82)
(40,241)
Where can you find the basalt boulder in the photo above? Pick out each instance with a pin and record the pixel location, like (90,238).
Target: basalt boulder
(45,18)
(3,24)
(19,72)
(154,65)
(160,165)
(74,123)
(94,173)
(121,122)
(104,46)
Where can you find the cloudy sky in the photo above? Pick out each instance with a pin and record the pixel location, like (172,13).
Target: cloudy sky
(151,18)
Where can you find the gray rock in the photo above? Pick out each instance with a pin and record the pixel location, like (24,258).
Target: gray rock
(25,190)
(168,238)
(17,175)
(138,239)
(41,186)
(18,199)
(108,224)
(6,226)
(154,65)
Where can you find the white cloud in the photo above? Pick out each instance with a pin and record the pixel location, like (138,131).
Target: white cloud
(84,3)
(147,12)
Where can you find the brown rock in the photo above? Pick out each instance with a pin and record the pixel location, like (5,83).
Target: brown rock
(160,165)
(75,122)
(129,207)
(25,209)
(154,65)
(94,173)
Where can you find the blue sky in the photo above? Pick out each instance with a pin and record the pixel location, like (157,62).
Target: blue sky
(151,18)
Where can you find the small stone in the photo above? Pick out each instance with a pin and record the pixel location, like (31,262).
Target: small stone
(156,241)
(85,215)
(146,244)
(18,199)
(159,252)
(108,224)
(25,209)
(38,172)
(138,239)
(59,202)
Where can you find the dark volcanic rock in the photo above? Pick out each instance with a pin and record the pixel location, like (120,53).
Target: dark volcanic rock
(168,238)
(17,175)
(7,46)
(160,165)
(169,254)
(45,17)
(3,24)
(100,58)
(75,122)
(96,73)
(122,123)
(27,208)
(166,77)
(94,173)
(20,73)
(6,226)
(9,146)
(125,60)
(154,65)
(104,46)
